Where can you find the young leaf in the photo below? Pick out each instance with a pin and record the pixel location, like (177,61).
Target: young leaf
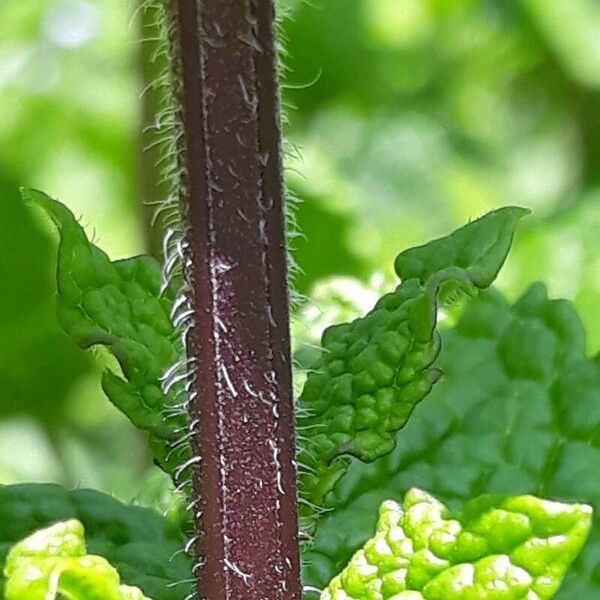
(517,412)
(479,248)
(375,370)
(53,563)
(119,304)
(500,548)
(144,547)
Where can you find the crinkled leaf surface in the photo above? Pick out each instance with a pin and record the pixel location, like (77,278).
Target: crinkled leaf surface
(375,370)
(119,304)
(53,563)
(517,412)
(499,548)
(144,547)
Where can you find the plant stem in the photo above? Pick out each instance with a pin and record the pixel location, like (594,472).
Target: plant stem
(234,200)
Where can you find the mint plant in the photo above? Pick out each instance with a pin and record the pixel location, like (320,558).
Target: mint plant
(497,412)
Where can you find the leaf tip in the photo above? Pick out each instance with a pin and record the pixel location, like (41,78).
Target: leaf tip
(478,249)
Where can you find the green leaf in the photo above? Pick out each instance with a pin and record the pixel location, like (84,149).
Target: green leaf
(479,248)
(143,547)
(499,548)
(119,304)
(517,412)
(53,563)
(375,370)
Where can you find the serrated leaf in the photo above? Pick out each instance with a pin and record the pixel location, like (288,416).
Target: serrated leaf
(144,547)
(53,563)
(499,548)
(517,412)
(119,304)
(375,370)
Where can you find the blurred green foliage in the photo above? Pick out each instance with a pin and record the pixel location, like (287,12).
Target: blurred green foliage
(411,117)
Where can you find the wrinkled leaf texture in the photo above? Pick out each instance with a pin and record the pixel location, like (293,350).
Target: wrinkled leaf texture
(517,412)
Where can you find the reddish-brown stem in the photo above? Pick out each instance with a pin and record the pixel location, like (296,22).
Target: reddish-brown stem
(233,192)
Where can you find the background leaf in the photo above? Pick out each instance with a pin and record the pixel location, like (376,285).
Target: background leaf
(144,547)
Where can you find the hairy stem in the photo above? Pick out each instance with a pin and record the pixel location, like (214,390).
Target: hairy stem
(234,200)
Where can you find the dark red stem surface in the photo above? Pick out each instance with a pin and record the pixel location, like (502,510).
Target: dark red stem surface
(246,478)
